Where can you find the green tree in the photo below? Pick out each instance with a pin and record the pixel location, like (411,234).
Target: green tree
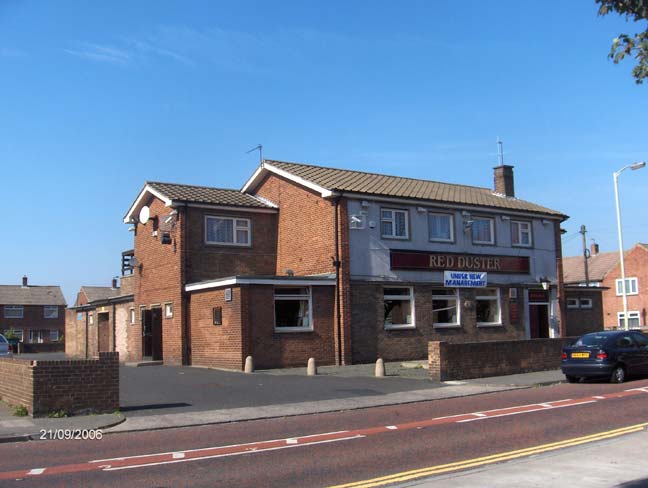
(627,45)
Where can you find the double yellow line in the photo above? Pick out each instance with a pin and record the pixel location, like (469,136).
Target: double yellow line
(495,458)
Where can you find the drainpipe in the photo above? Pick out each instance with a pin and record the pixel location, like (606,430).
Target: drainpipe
(184,317)
(338,294)
(114,325)
(86,335)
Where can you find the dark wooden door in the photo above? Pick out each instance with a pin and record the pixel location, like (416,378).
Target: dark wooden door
(147,338)
(156,332)
(539,321)
(103,326)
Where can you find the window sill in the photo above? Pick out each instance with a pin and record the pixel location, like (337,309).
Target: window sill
(284,330)
(227,244)
(442,241)
(489,324)
(395,238)
(400,327)
(446,326)
(523,246)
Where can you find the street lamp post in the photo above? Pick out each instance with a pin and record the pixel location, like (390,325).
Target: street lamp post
(624,293)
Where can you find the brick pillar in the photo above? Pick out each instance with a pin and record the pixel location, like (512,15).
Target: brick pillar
(560,292)
(437,360)
(343,298)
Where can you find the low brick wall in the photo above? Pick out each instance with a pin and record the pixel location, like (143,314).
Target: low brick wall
(456,361)
(76,386)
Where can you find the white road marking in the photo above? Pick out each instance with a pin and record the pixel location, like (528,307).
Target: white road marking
(36,471)
(291,441)
(178,455)
(391,427)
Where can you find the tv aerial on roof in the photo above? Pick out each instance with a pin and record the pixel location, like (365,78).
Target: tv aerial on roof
(144,214)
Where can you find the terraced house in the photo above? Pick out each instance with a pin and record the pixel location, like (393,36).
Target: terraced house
(344,266)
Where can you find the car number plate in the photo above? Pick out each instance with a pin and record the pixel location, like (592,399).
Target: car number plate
(580,355)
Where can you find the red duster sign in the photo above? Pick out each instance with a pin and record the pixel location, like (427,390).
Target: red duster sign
(434,261)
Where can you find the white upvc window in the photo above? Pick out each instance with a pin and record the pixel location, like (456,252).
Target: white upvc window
(50,311)
(35,336)
(168,310)
(572,303)
(586,303)
(91,318)
(13,311)
(394,223)
(54,335)
(446,311)
(521,233)
(228,231)
(634,319)
(293,309)
(131,313)
(632,287)
(489,311)
(19,333)
(399,307)
(483,230)
(440,227)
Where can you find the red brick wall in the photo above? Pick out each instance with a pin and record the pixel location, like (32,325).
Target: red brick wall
(75,333)
(583,320)
(370,340)
(158,280)
(636,266)
(209,261)
(74,386)
(272,349)
(457,361)
(219,346)
(305,240)
(33,319)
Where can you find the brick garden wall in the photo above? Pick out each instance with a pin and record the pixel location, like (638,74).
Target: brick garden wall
(456,361)
(76,386)
(371,340)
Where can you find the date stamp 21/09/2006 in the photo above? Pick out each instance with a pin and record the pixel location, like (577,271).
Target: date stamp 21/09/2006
(71,434)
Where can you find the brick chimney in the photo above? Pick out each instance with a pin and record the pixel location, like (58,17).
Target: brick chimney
(503,176)
(594,249)
(114,283)
(24,281)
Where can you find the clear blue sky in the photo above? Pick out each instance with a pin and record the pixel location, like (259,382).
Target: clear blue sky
(97,97)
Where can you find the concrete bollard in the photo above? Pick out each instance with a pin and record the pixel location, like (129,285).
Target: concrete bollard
(312,368)
(380,367)
(249,364)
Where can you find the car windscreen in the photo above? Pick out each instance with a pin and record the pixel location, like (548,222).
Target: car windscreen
(592,340)
(2,340)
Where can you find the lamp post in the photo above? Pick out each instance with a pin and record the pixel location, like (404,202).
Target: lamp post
(633,166)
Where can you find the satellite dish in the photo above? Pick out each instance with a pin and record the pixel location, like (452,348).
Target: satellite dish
(144,215)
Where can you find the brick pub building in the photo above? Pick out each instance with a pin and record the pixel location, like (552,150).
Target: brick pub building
(340,265)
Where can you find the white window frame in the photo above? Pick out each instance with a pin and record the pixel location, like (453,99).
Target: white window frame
(632,314)
(392,219)
(19,309)
(629,285)
(455,297)
(168,310)
(410,298)
(497,299)
(91,318)
(38,333)
(131,315)
(575,303)
(518,236)
(16,332)
(308,296)
(235,228)
(54,332)
(491,221)
(50,315)
(439,239)
(586,302)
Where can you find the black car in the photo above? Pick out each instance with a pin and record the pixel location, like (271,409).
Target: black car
(610,354)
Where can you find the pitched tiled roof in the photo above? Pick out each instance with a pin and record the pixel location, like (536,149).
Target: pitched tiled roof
(598,266)
(94,293)
(334,179)
(208,195)
(31,295)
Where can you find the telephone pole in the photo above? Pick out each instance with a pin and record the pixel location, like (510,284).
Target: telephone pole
(586,253)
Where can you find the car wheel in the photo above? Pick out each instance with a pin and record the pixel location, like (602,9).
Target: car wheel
(618,375)
(572,379)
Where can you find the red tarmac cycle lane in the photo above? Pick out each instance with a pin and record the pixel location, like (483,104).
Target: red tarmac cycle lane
(394,428)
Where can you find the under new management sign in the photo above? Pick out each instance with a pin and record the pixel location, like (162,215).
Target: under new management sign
(464,279)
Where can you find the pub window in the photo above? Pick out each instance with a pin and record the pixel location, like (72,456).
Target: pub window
(572,303)
(293,309)
(132,315)
(585,303)
(440,227)
(483,230)
(399,308)
(488,306)
(393,224)
(521,233)
(227,230)
(54,335)
(445,307)
(13,311)
(168,310)
(631,287)
(50,311)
